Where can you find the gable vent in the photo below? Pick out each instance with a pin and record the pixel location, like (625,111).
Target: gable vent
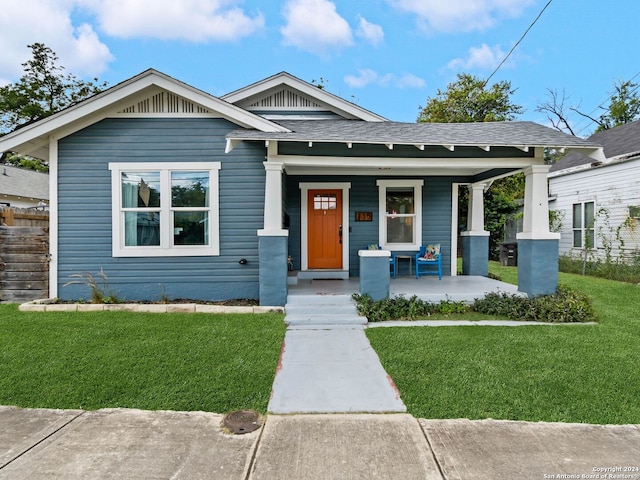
(165,102)
(284,99)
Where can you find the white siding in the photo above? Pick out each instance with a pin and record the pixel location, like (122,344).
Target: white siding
(613,188)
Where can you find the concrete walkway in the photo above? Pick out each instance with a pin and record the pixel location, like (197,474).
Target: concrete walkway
(134,444)
(327,364)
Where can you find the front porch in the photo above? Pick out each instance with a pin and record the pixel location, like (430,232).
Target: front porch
(457,288)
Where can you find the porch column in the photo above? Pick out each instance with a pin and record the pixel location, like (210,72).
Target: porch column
(537,246)
(273,241)
(374,273)
(475,241)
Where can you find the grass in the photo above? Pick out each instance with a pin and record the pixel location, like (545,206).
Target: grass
(576,373)
(214,363)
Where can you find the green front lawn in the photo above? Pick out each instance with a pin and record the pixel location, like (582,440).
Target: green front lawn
(214,363)
(564,373)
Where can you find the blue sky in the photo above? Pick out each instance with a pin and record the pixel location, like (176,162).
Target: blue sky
(388,56)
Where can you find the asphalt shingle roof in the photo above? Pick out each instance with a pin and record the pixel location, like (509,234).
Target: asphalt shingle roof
(23,183)
(617,141)
(474,134)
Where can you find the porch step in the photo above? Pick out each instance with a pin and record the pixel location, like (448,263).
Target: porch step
(317,310)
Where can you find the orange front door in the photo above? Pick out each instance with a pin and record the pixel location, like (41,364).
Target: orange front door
(325,229)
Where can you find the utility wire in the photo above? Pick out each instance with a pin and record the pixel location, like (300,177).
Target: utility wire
(601,106)
(518,42)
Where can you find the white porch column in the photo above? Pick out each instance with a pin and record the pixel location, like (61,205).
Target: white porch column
(273,200)
(537,246)
(535,222)
(475,241)
(475,216)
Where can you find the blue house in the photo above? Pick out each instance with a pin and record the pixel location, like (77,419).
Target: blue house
(174,192)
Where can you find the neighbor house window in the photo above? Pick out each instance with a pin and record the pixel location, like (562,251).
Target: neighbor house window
(634,211)
(165,209)
(400,206)
(583,225)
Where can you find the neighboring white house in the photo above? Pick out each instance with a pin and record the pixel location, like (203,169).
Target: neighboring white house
(598,203)
(22,188)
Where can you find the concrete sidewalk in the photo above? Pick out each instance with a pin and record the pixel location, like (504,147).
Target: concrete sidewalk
(134,444)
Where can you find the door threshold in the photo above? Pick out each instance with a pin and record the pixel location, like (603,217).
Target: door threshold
(323,275)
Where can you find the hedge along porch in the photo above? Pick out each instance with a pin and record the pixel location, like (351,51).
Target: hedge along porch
(359,164)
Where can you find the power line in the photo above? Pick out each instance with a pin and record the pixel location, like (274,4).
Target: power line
(518,42)
(601,106)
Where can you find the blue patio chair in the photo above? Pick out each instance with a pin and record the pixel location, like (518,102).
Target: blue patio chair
(429,257)
(393,268)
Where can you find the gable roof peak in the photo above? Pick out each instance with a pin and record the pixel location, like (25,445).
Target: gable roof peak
(248,97)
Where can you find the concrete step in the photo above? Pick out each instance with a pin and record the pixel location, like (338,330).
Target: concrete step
(319,300)
(296,309)
(324,319)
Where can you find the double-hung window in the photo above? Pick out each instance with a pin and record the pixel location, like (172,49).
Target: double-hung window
(400,207)
(165,209)
(583,225)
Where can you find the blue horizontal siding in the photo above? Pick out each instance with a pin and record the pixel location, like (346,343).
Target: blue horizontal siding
(363,197)
(85,209)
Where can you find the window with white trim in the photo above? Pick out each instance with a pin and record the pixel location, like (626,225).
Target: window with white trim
(400,207)
(583,225)
(165,209)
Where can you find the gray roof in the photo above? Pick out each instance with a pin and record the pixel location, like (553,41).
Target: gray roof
(618,141)
(20,182)
(461,134)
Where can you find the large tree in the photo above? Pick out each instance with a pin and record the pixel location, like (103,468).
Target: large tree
(469,99)
(43,90)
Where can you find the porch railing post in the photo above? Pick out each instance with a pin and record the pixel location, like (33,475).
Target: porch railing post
(374,273)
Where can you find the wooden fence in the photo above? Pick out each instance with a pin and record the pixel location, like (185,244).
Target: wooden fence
(24,255)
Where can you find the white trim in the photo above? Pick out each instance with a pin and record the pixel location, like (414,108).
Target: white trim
(165,249)
(455,191)
(382,213)
(94,109)
(53,217)
(304,220)
(374,253)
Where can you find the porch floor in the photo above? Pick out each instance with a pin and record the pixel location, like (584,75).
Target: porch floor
(459,288)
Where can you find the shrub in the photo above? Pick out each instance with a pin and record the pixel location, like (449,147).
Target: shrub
(402,308)
(564,306)
(622,270)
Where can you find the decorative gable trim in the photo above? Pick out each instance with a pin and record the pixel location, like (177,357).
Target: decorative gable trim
(284,98)
(269,90)
(165,102)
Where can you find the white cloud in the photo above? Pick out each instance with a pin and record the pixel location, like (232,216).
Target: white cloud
(191,20)
(367,77)
(461,15)
(371,32)
(78,47)
(364,78)
(479,58)
(314,26)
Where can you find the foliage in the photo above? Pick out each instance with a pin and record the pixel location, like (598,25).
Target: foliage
(26,162)
(565,306)
(622,270)
(468,99)
(99,285)
(150,361)
(402,308)
(623,108)
(501,200)
(43,90)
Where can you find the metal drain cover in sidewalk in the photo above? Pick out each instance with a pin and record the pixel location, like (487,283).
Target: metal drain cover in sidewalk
(242,421)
